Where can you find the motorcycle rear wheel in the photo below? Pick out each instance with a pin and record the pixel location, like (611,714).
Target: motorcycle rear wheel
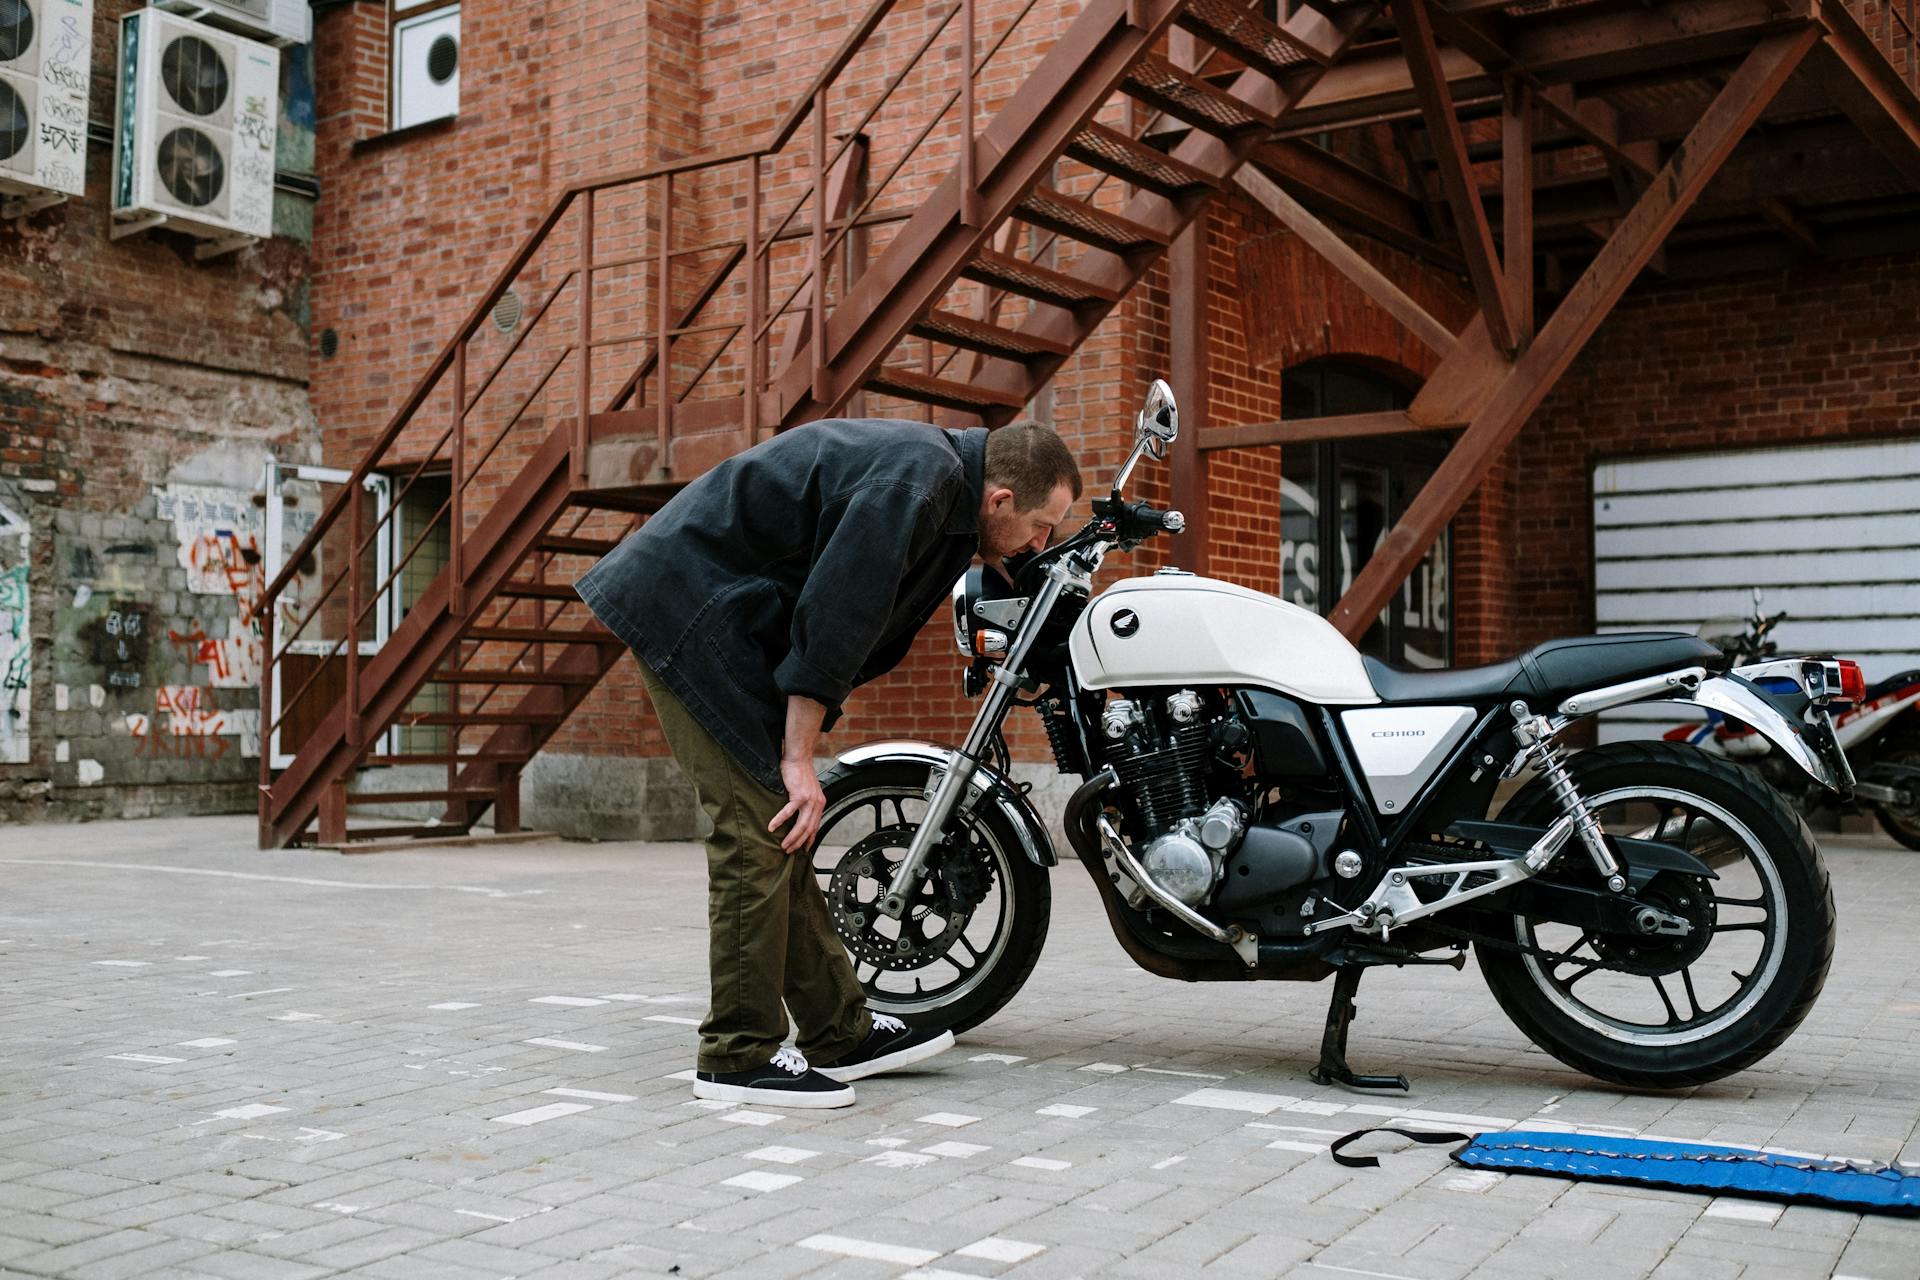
(956,960)
(1627,1026)
(1902,823)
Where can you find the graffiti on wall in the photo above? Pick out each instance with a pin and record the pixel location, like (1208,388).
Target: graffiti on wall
(188,722)
(16,646)
(118,643)
(217,533)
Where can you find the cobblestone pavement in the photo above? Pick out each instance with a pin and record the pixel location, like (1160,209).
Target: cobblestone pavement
(465,1063)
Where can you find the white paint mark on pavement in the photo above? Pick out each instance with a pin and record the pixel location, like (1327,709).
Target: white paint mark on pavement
(632,998)
(264,991)
(886,1142)
(574,1045)
(782,1155)
(955,1150)
(1168,1163)
(899,1160)
(1041,1162)
(295,1016)
(153,1059)
(252,1111)
(1745,1211)
(1294,1128)
(231,973)
(744,1116)
(847,1247)
(1008,1058)
(336,1207)
(452,1005)
(1258,1104)
(588,1095)
(1287,1144)
(190,959)
(125,964)
(1104,1068)
(947,1119)
(668,1017)
(535,1115)
(253,875)
(572,1001)
(761,1180)
(1473,1181)
(1066,1111)
(1432,1117)
(1000,1249)
(1168,1071)
(209,1042)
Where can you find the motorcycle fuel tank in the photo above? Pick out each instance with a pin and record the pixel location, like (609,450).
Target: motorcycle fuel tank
(1180,629)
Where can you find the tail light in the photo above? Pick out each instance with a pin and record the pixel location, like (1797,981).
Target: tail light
(1853,684)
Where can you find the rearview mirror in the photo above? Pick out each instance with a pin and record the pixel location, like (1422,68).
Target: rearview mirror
(1159,421)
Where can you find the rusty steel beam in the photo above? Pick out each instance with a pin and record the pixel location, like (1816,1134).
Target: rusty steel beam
(1456,175)
(1335,189)
(1554,46)
(1516,215)
(1532,376)
(1864,85)
(1187,293)
(1370,280)
(1346,426)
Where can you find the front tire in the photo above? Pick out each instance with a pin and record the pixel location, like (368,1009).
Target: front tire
(1656,1013)
(977,925)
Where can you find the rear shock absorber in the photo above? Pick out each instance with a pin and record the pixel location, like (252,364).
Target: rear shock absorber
(1536,736)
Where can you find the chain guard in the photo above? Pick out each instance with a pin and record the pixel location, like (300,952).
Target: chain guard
(957,883)
(1643,956)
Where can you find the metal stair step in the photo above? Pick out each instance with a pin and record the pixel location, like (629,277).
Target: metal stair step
(990,339)
(508,675)
(1249,37)
(414,797)
(469,719)
(1113,152)
(541,635)
(1078,220)
(568,545)
(1161,85)
(1039,283)
(944,392)
(446,757)
(529,590)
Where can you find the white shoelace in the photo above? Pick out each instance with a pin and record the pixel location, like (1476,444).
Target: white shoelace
(888,1023)
(790,1060)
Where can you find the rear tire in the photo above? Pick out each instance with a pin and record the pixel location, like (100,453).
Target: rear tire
(1746,832)
(1902,823)
(1003,949)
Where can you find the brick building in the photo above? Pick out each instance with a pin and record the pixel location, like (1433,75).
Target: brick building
(1770,322)
(143,388)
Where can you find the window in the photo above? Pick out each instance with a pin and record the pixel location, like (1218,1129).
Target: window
(426,64)
(1338,499)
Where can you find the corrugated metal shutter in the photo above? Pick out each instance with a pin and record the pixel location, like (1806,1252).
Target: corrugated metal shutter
(1830,533)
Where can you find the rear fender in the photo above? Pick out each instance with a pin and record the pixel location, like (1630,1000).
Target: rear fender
(1740,699)
(988,786)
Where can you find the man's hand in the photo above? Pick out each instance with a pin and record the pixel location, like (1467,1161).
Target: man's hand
(806,802)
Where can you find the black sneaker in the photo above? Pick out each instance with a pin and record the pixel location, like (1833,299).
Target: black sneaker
(891,1044)
(785,1081)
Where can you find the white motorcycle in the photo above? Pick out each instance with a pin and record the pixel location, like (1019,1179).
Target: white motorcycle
(1262,802)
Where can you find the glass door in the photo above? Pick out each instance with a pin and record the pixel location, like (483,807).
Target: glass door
(311,624)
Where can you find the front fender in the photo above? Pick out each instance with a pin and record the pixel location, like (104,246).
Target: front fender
(1740,700)
(988,784)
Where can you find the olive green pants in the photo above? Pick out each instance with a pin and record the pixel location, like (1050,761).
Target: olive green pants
(770,941)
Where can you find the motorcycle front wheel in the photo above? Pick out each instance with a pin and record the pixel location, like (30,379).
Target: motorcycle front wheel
(1667,1011)
(974,929)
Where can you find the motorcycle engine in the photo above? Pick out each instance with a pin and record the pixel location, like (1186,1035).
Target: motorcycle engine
(1162,748)
(1191,840)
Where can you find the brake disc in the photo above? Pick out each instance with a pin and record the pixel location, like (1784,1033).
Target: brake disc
(938,913)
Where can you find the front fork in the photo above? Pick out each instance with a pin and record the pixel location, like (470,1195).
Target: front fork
(953,784)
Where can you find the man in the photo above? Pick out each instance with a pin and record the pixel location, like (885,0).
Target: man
(756,600)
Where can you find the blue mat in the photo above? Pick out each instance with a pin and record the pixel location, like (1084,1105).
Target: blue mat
(1681,1166)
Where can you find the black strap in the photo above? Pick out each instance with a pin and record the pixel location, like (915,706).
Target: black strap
(1373,1162)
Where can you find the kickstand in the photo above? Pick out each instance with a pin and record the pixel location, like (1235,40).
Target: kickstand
(1333,1068)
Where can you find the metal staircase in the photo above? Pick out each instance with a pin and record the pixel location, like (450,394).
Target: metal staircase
(676,324)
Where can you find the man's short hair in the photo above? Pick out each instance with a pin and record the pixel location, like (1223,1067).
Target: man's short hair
(1032,461)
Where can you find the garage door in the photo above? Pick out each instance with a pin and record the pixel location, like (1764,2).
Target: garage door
(1829,533)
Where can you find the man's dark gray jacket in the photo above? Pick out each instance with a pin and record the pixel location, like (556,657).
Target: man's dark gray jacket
(804,566)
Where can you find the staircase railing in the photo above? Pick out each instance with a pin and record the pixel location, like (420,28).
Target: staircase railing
(493,392)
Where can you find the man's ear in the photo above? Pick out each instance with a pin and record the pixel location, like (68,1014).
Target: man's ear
(996,497)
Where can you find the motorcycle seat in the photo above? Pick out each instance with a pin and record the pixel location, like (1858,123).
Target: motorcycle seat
(1549,673)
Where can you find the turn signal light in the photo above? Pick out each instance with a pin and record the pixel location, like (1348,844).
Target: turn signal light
(1853,685)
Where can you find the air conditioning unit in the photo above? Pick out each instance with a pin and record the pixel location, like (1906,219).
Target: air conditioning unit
(46,60)
(280,22)
(426,67)
(193,144)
